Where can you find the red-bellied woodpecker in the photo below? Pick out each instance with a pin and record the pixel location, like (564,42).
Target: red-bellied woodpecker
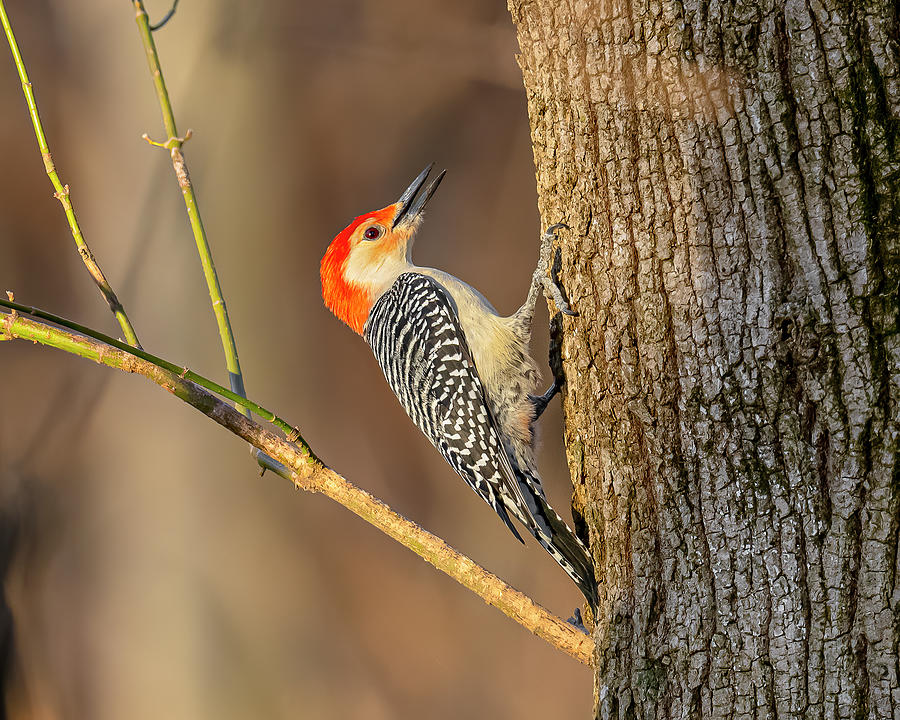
(462,372)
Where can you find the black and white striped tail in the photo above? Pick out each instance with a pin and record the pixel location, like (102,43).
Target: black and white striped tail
(564,546)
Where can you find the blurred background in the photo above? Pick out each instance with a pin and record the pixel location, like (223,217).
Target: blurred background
(149,571)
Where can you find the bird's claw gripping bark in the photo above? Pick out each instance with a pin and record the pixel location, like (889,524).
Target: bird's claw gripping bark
(576,622)
(550,285)
(540,402)
(550,234)
(541,280)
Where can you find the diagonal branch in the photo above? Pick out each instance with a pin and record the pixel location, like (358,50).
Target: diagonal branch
(309,473)
(62,191)
(182,372)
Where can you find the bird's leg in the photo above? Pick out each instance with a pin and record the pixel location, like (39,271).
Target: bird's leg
(540,402)
(541,279)
(551,286)
(576,621)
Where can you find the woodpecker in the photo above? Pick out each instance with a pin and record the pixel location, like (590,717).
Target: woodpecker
(463,373)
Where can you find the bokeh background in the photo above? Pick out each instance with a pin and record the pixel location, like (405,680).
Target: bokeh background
(149,571)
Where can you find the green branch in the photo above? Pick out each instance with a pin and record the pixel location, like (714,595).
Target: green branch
(173,144)
(62,191)
(308,473)
(247,406)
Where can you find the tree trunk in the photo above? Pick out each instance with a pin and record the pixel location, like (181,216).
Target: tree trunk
(731,176)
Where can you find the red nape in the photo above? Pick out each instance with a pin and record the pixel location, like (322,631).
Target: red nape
(350,302)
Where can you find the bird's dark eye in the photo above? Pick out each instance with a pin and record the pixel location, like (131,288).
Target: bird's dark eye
(372,233)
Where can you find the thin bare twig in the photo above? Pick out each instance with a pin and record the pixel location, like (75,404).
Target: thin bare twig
(166,18)
(173,144)
(62,191)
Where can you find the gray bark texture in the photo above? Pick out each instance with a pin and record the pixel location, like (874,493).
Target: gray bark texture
(731,176)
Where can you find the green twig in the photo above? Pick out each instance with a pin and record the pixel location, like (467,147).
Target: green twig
(247,406)
(62,191)
(173,144)
(308,473)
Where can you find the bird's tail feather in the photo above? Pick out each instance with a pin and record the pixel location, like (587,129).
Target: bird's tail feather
(571,554)
(551,531)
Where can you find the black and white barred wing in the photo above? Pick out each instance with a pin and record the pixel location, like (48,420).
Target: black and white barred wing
(415,335)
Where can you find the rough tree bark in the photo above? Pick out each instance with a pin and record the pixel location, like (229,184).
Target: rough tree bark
(731,175)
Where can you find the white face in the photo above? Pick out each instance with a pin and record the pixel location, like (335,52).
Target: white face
(377,257)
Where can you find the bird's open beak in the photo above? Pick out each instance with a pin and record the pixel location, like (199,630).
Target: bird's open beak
(410,205)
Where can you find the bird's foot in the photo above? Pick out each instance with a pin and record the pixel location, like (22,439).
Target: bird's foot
(540,402)
(576,622)
(551,286)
